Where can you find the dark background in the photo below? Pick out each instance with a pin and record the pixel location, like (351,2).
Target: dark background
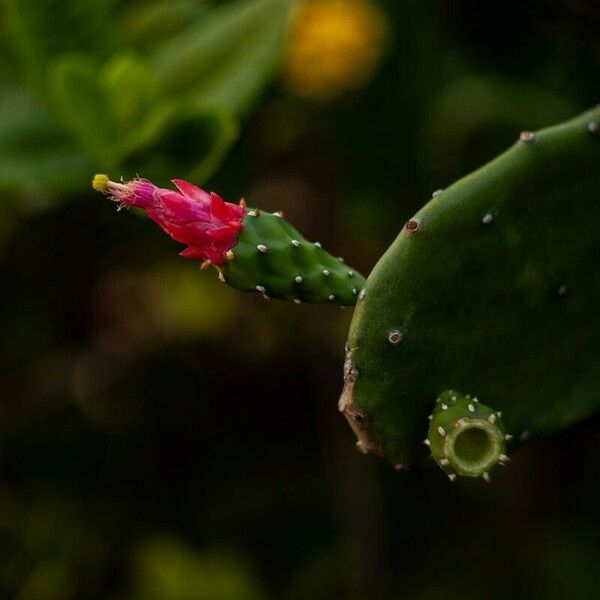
(163,436)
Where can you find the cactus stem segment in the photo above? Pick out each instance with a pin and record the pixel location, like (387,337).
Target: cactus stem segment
(465,437)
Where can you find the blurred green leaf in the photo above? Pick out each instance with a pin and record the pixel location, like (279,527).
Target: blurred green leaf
(34,152)
(149,130)
(158,118)
(222,131)
(144,25)
(51,580)
(41,30)
(131,93)
(166,569)
(193,146)
(225,60)
(81,104)
(116,115)
(131,89)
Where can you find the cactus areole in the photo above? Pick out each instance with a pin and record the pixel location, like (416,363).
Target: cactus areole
(254,251)
(488,302)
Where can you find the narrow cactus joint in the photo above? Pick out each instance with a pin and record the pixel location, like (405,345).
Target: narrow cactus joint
(465,437)
(271,253)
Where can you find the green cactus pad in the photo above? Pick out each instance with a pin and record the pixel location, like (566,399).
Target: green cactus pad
(273,259)
(492,288)
(465,437)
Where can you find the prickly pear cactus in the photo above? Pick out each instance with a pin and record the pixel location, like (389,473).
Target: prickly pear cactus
(271,257)
(491,289)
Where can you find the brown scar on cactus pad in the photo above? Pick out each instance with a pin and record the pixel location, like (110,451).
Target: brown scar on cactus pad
(356,418)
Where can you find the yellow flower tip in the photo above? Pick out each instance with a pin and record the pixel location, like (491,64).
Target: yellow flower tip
(100,182)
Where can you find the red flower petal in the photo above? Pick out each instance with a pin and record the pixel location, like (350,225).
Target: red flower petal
(218,209)
(223,234)
(180,210)
(203,221)
(193,234)
(197,253)
(193,192)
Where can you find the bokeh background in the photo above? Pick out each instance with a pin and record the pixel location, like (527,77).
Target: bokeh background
(165,437)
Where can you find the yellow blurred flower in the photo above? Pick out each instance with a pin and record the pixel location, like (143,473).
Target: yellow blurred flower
(334,46)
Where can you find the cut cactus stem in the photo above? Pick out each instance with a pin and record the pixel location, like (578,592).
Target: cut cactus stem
(462,439)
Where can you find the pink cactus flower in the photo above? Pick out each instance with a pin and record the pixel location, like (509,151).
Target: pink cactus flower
(203,221)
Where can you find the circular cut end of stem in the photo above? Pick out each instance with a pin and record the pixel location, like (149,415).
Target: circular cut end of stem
(473,446)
